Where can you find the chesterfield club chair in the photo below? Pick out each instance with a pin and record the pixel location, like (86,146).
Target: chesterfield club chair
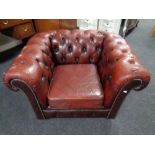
(76,73)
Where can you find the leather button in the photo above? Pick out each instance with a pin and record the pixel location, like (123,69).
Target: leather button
(77,39)
(56,50)
(63,40)
(84,49)
(43,78)
(46,64)
(70,49)
(91,39)
(98,49)
(77,59)
(90,59)
(63,59)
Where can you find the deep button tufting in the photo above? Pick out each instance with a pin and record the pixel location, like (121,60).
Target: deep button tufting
(77,59)
(111,61)
(98,49)
(81,44)
(49,80)
(29,67)
(121,67)
(84,49)
(116,59)
(43,78)
(90,59)
(40,63)
(63,40)
(70,48)
(37,60)
(77,39)
(50,37)
(46,53)
(92,39)
(46,64)
(63,59)
(56,49)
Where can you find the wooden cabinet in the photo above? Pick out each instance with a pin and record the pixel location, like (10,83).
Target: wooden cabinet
(43,25)
(17,28)
(23,28)
(68,23)
(6,23)
(23,31)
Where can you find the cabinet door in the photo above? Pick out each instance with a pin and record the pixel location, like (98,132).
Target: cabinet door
(43,25)
(23,31)
(68,23)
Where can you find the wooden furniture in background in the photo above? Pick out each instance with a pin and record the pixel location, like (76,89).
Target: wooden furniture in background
(17,28)
(43,25)
(68,23)
(13,31)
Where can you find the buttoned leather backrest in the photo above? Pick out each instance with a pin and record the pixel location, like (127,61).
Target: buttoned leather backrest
(76,46)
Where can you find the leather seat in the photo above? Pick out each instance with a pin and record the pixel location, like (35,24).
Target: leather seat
(75,87)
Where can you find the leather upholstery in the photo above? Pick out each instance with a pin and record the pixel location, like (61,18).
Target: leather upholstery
(75,87)
(33,66)
(76,46)
(118,67)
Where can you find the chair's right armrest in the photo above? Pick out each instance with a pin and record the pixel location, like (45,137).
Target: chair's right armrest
(120,71)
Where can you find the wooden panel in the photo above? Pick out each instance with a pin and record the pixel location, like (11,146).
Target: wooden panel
(23,31)
(6,23)
(43,25)
(68,23)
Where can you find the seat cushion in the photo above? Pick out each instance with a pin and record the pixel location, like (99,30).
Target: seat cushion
(75,86)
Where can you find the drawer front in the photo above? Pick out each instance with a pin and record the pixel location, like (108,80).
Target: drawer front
(23,31)
(6,23)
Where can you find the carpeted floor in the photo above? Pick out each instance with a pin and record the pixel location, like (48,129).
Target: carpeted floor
(136,116)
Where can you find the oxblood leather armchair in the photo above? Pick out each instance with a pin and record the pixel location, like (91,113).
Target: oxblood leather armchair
(76,73)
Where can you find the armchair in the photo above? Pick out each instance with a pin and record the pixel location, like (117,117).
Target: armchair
(76,73)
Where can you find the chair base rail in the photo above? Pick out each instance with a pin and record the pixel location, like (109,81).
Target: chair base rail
(76,113)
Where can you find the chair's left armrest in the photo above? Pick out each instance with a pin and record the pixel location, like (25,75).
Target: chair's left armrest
(31,71)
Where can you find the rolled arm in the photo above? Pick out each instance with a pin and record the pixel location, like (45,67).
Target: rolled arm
(120,71)
(31,70)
